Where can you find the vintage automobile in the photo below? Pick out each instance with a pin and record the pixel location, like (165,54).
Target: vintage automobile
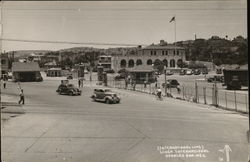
(70,76)
(105,95)
(204,71)
(197,72)
(169,72)
(68,89)
(171,83)
(216,78)
(183,72)
(189,72)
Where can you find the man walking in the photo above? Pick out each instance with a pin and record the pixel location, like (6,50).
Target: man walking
(21,97)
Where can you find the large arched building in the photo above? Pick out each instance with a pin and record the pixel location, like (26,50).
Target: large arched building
(169,54)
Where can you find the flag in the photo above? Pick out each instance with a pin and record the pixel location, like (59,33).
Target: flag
(173,19)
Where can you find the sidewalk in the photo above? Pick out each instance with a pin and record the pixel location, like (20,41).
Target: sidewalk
(9,104)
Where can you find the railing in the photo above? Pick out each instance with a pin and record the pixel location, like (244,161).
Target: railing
(231,100)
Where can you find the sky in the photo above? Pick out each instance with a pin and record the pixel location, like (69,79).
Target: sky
(122,22)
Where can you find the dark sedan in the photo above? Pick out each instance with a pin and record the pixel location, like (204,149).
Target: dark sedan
(68,89)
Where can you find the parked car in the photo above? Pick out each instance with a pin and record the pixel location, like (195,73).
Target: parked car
(105,95)
(216,78)
(68,89)
(110,71)
(204,71)
(120,76)
(69,77)
(169,72)
(189,72)
(182,72)
(171,83)
(219,71)
(197,72)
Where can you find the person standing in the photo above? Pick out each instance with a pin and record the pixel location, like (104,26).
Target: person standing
(4,83)
(145,84)
(79,83)
(21,94)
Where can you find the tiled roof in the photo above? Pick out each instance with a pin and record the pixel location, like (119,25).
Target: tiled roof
(25,67)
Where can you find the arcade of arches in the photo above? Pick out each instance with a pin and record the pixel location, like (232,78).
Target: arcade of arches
(131,63)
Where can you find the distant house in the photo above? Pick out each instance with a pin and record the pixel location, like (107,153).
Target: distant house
(25,72)
(4,64)
(142,73)
(54,72)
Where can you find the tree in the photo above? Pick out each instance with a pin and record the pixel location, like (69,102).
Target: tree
(159,65)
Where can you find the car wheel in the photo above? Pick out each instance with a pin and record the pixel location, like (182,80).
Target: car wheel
(71,93)
(107,101)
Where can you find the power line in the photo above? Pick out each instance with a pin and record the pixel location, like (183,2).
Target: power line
(66,42)
(127,9)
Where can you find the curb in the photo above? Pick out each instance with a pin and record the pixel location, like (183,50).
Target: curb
(9,104)
(13,110)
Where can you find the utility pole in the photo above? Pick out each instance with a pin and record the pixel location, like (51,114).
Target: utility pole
(165,76)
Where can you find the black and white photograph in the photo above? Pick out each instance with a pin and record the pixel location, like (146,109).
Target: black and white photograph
(124,81)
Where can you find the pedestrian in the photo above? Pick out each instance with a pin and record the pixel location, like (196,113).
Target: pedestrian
(126,84)
(4,83)
(21,94)
(145,84)
(178,89)
(79,83)
(134,85)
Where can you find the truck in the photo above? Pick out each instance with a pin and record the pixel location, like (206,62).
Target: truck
(234,79)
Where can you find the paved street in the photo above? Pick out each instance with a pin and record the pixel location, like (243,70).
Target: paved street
(74,128)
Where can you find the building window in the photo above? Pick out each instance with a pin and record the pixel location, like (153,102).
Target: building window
(177,52)
(138,62)
(3,62)
(172,63)
(131,63)
(154,52)
(166,52)
(165,62)
(162,52)
(174,52)
(149,62)
(123,63)
(151,53)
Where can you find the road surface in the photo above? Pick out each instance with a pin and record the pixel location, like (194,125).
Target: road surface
(140,129)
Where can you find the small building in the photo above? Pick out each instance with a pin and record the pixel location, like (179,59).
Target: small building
(4,64)
(25,72)
(54,72)
(105,62)
(142,73)
(49,65)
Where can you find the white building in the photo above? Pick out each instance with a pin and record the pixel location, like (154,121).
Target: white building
(169,54)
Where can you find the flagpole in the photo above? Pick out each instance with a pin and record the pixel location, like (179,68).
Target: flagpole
(175,34)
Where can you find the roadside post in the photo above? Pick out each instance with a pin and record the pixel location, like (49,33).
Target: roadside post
(235,102)
(165,76)
(204,94)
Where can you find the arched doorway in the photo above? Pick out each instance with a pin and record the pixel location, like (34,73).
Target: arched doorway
(172,63)
(149,62)
(131,63)
(179,62)
(123,63)
(165,62)
(138,62)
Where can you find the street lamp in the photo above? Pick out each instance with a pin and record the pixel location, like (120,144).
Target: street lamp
(165,75)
